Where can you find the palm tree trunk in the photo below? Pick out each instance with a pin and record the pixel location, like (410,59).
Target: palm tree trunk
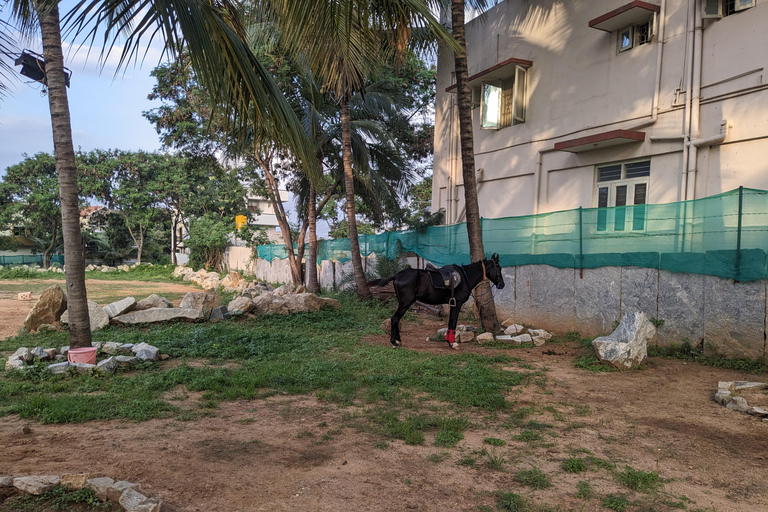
(313,285)
(363,291)
(63,149)
(485,305)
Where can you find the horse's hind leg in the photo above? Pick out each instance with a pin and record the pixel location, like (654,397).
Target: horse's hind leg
(453,319)
(394,330)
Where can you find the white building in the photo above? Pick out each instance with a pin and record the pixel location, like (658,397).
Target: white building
(266,218)
(592,103)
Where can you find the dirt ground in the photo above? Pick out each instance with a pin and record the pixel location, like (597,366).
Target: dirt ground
(289,453)
(102,291)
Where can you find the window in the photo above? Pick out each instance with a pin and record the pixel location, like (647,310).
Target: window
(503,102)
(624,184)
(635,35)
(721,8)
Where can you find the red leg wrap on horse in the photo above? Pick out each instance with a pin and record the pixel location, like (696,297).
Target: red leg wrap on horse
(450,336)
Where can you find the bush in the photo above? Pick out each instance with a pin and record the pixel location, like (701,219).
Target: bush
(208,239)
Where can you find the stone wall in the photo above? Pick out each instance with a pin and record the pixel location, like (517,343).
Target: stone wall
(729,318)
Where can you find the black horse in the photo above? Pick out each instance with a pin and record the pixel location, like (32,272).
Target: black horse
(415,284)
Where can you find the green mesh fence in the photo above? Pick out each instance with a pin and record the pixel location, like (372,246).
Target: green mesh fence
(723,235)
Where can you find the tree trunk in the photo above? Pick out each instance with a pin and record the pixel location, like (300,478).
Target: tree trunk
(483,298)
(49,249)
(313,285)
(66,169)
(174,227)
(282,220)
(363,292)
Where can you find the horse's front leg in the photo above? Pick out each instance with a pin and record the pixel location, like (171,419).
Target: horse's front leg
(394,329)
(453,319)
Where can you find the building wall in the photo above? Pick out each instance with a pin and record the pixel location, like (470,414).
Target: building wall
(578,85)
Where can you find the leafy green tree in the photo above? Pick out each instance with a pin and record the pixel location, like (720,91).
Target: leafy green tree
(30,197)
(208,239)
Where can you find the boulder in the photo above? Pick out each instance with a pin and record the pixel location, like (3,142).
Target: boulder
(47,310)
(146,352)
(82,368)
(466,336)
(58,368)
(627,346)
(133,501)
(121,306)
(108,365)
(153,301)
(24,354)
(6,481)
(98,316)
(219,313)
(100,486)
(111,347)
(283,290)
(210,284)
(126,360)
(52,352)
(200,301)
(240,305)
(15,363)
(738,403)
(117,489)
(514,330)
(76,481)
(485,337)
(155,315)
(523,338)
(39,353)
(36,485)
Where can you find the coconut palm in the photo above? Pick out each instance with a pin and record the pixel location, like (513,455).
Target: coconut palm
(483,298)
(346,42)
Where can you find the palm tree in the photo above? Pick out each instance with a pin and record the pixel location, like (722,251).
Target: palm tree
(485,306)
(346,42)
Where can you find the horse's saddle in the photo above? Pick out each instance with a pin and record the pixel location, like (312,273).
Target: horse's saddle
(444,277)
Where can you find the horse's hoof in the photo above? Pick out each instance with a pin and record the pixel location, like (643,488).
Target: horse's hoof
(395,346)
(455,346)
(399,343)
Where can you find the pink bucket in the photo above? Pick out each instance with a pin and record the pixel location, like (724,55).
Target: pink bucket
(82,355)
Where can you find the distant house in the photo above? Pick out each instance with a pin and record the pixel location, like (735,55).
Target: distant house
(92,217)
(601,103)
(266,218)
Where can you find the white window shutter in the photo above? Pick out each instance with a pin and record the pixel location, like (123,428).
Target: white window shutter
(518,96)
(744,4)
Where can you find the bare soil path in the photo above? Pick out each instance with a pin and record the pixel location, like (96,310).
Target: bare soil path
(290,453)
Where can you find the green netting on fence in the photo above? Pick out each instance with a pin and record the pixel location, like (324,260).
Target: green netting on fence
(724,235)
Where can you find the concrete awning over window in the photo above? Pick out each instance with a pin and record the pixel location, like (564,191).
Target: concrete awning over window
(502,70)
(600,141)
(626,15)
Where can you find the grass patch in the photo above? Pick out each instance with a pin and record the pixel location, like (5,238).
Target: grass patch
(495,460)
(511,502)
(615,502)
(638,480)
(583,490)
(533,478)
(528,436)
(592,363)
(59,498)
(493,441)
(573,465)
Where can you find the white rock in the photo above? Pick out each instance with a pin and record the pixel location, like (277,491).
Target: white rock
(108,365)
(627,346)
(485,337)
(738,403)
(15,363)
(523,338)
(119,307)
(58,368)
(100,486)
(514,330)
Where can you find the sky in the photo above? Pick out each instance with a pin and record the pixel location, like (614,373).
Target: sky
(105,110)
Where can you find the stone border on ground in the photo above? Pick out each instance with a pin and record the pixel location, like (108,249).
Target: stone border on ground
(725,396)
(126,494)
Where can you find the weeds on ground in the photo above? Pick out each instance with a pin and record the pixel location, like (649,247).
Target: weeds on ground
(573,465)
(686,352)
(638,480)
(615,502)
(511,502)
(60,498)
(533,478)
(583,490)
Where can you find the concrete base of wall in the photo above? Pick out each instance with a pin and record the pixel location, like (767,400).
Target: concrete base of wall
(724,316)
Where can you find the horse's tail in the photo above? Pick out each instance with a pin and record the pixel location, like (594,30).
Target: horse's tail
(381,282)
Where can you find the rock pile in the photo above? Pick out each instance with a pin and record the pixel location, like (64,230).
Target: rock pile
(727,395)
(120,355)
(513,333)
(125,493)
